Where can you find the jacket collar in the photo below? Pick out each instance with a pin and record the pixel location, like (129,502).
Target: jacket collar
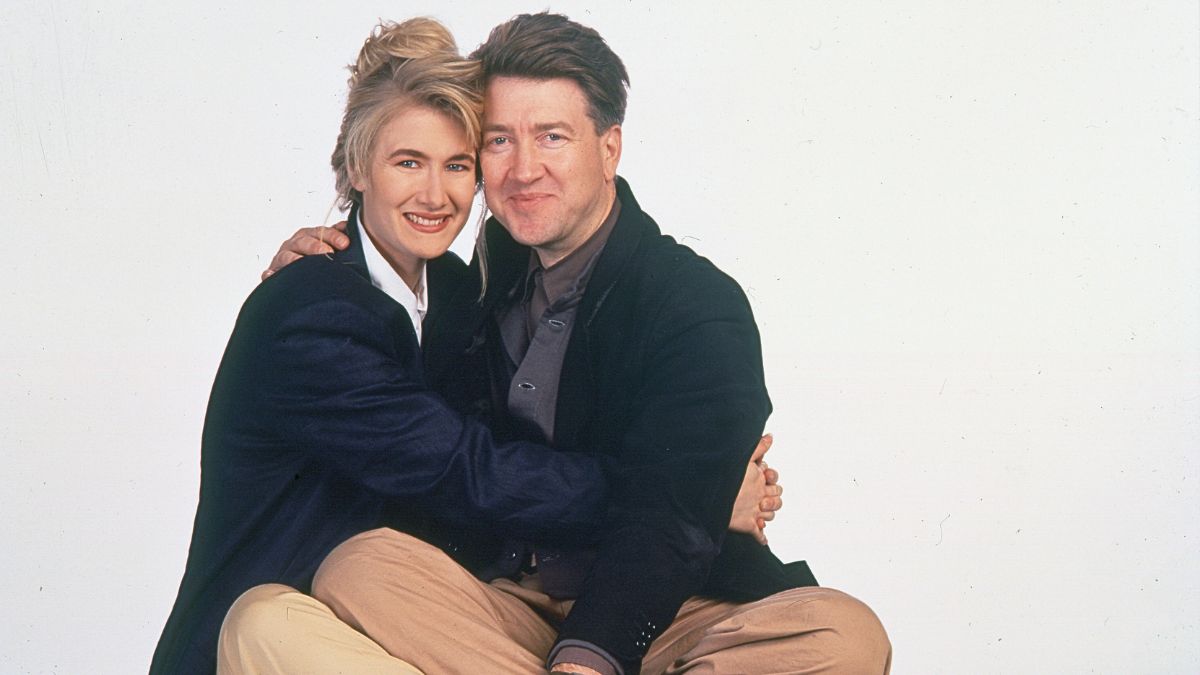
(444,274)
(632,226)
(507,260)
(353,256)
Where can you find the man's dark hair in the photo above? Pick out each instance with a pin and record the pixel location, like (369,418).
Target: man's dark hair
(544,46)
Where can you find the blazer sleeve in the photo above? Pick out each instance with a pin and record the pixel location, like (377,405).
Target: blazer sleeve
(697,414)
(341,381)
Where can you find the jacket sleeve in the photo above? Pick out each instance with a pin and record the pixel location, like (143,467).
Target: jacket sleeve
(343,383)
(698,411)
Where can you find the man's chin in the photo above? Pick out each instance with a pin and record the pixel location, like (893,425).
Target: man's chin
(527,234)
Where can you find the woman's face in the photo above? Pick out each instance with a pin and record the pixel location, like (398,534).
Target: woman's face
(419,186)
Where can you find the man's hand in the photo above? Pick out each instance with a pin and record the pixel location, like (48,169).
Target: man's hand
(308,241)
(760,495)
(572,669)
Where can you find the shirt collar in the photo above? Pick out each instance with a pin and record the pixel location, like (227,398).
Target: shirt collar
(573,270)
(387,280)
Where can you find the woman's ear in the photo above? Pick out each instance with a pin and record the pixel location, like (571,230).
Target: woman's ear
(358,181)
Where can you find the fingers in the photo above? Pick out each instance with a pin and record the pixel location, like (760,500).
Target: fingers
(769,474)
(309,241)
(767,508)
(280,261)
(759,482)
(764,444)
(316,240)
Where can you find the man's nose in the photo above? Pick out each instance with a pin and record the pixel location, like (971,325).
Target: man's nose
(527,165)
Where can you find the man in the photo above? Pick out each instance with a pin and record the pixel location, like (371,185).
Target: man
(597,334)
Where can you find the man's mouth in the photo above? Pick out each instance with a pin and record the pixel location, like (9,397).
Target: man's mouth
(528,198)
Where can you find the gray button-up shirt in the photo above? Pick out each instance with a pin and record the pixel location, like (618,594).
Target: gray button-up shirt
(536,328)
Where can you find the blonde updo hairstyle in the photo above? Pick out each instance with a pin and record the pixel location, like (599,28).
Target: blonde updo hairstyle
(414,63)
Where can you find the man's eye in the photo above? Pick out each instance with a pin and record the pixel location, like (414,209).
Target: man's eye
(458,167)
(498,140)
(553,137)
(407,163)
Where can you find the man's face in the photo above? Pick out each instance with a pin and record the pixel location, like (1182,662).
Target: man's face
(548,176)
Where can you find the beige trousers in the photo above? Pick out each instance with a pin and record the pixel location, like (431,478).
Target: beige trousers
(419,607)
(276,629)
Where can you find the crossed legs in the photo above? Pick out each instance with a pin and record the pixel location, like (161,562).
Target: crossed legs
(425,613)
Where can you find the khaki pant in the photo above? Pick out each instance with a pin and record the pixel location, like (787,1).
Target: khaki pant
(419,607)
(276,629)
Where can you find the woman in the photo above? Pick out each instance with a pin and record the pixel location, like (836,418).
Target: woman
(319,425)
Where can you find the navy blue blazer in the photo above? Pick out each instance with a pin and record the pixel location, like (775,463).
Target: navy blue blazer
(320,427)
(663,375)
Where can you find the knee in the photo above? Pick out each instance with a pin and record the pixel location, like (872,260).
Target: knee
(255,616)
(349,571)
(855,640)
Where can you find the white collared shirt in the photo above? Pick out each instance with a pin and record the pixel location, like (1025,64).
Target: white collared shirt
(387,280)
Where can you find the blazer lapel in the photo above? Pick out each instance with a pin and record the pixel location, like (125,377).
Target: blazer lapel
(353,255)
(575,385)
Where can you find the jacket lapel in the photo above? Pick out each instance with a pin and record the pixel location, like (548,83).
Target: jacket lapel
(575,385)
(353,255)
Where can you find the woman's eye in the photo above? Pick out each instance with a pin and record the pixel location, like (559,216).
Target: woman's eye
(458,167)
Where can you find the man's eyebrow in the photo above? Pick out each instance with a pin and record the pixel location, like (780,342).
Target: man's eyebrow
(549,126)
(541,126)
(462,157)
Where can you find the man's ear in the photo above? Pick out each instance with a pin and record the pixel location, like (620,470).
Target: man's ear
(610,151)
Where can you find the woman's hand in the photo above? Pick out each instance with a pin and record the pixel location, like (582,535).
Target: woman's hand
(308,241)
(760,495)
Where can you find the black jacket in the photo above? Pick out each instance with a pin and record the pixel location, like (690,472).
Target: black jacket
(320,427)
(663,374)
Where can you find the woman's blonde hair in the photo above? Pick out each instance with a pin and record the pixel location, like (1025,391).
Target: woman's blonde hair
(401,65)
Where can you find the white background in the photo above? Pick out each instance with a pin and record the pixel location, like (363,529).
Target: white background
(970,233)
